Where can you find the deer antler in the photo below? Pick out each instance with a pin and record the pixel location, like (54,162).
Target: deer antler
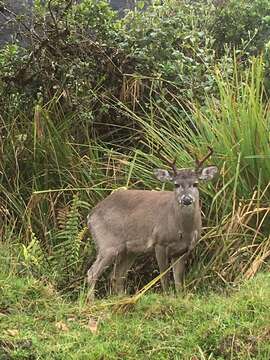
(172,164)
(200,162)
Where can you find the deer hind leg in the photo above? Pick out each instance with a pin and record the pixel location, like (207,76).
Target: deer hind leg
(102,262)
(119,272)
(179,272)
(163,264)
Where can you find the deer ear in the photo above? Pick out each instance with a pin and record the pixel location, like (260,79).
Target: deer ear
(208,173)
(163,175)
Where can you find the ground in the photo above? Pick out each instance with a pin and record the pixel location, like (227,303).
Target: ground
(36,322)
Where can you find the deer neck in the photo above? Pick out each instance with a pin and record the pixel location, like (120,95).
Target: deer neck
(188,216)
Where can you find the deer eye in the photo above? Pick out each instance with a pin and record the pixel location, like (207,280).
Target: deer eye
(195,184)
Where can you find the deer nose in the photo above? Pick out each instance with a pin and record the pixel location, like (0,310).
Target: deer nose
(186,200)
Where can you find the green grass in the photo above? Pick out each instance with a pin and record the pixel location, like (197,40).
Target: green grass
(37,323)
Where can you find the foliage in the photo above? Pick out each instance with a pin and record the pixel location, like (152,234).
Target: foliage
(236,242)
(242,23)
(76,50)
(87,104)
(236,123)
(181,54)
(96,19)
(64,255)
(10,57)
(69,51)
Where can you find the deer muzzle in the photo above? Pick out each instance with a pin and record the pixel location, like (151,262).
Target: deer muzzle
(186,200)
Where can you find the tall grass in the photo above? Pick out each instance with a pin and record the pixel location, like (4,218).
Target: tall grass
(236,124)
(236,242)
(52,165)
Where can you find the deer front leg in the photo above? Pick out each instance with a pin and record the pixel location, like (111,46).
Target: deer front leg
(179,272)
(163,264)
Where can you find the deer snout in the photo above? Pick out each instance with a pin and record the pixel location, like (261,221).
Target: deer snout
(186,200)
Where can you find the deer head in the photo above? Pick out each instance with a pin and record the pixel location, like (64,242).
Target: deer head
(186,181)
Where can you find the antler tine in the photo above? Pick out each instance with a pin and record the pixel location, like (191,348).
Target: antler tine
(200,162)
(193,156)
(172,164)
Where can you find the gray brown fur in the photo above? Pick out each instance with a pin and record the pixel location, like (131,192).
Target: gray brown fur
(132,222)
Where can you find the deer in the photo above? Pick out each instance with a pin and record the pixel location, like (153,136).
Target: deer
(128,223)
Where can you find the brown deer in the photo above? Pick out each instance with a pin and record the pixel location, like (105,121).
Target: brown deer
(132,222)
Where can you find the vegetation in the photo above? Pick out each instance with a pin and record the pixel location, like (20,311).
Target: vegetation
(243,23)
(36,323)
(84,108)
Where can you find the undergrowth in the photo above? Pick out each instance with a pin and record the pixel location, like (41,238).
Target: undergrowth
(44,207)
(87,106)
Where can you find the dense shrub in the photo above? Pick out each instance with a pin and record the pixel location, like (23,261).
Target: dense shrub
(85,47)
(171,42)
(242,23)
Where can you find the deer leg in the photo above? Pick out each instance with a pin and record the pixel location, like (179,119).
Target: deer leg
(163,264)
(119,272)
(96,270)
(179,272)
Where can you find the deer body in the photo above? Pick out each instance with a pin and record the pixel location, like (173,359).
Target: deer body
(132,222)
(139,227)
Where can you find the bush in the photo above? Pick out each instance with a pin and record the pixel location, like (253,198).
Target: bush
(242,23)
(171,43)
(84,48)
